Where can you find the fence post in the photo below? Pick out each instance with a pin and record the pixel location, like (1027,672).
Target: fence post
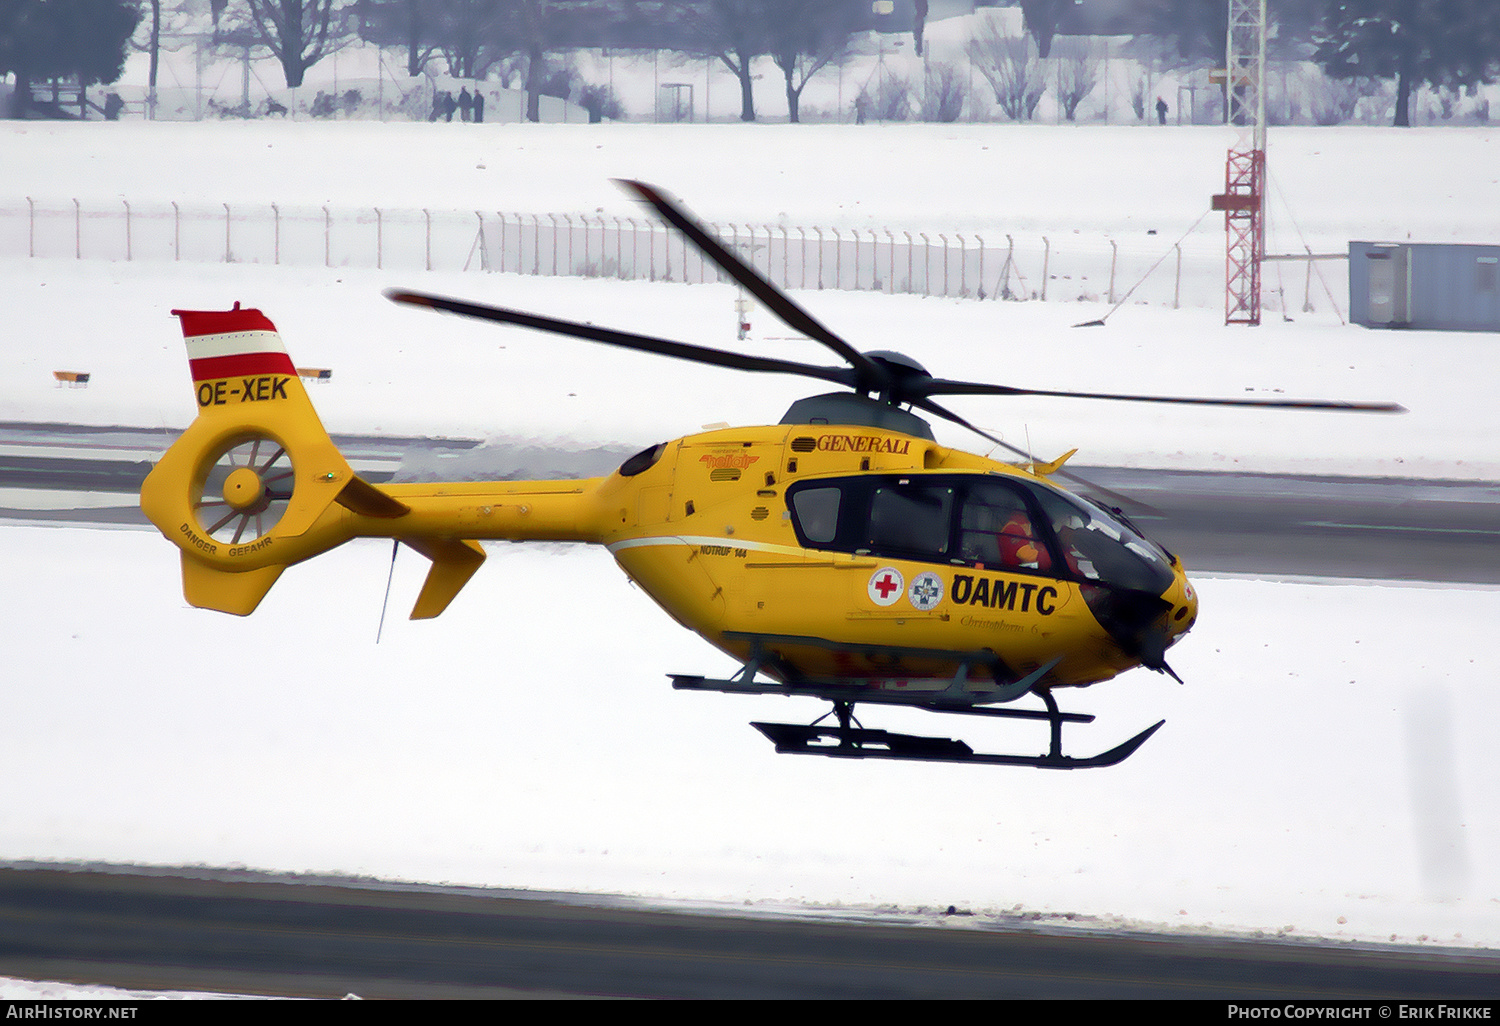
(226,234)
(786,244)
(945,263)
(128,255)
(1046,262)
(176,232)
(77,230)
(820,257)
(926,264)
(963,266)
(328,238)
(1114,253)
(31,227)
(276,234)
(380,241)
(427,214)
(477,244)
(890,240)
(911,249)
(1004,291)
(1177,287)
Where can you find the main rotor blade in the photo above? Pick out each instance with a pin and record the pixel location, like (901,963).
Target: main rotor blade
(1118,498)
(939,386)
(627,340)
(871,375)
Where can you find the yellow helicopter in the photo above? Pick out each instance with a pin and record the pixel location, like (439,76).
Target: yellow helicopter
(841,554)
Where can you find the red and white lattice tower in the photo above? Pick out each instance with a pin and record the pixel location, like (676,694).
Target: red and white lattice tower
(1243,200)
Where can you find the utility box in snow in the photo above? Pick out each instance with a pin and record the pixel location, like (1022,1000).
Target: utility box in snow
(1424,285)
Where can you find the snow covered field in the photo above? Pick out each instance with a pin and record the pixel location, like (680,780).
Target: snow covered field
(1325,771)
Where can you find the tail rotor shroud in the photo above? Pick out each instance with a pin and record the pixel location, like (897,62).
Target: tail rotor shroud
(245,491)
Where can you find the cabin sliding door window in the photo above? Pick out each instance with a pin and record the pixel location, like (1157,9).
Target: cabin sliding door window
(911,520)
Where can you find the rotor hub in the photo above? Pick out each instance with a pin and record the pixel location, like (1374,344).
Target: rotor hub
(245,492)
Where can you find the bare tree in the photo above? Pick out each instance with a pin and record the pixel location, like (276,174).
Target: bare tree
(891,100)
(415,25)
(805,36)
(731,31)
(299,33)
(470,34)
(1018,79)
(1335,100)
(1077,74)
(946,90)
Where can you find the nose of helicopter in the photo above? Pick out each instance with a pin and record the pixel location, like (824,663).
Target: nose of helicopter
(1183,599)
(1178,618)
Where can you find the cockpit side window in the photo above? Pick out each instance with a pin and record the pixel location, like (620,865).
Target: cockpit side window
(817,513)
(996,530)
(912,519)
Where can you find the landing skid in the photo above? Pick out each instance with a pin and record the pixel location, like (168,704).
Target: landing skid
(851,740)
(861,743)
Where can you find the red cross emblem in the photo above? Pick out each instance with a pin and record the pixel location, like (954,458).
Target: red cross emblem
(886,586)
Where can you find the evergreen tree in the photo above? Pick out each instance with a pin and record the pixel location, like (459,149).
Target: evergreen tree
(1042,18)
(82,39)
(1437,42)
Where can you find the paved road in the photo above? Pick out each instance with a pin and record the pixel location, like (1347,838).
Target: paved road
(236,932)
(1247,523)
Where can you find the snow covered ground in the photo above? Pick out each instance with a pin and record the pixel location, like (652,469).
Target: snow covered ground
(1325,771)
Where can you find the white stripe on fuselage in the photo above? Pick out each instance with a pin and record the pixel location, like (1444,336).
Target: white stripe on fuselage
(696,540)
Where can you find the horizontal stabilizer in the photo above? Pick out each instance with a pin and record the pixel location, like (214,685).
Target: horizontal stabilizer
(361,497)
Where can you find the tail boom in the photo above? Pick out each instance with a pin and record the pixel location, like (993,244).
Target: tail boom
(255,484)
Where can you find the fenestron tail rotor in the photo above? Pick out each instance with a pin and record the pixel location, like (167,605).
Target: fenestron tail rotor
(245,491)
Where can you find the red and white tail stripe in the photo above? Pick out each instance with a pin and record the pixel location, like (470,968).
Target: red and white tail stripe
(232,343)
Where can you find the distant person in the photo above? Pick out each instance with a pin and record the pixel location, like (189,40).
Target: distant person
(448,106)
(1161,111)
(112,107)
(478,106)
(465,104)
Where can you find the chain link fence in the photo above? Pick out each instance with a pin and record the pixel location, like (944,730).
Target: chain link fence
(1069,267)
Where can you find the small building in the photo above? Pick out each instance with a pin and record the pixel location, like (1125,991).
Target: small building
(1424,285)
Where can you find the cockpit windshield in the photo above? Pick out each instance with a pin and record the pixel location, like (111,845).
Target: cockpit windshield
(1101,547)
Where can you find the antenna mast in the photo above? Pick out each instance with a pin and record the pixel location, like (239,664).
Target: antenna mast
(1243,200)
